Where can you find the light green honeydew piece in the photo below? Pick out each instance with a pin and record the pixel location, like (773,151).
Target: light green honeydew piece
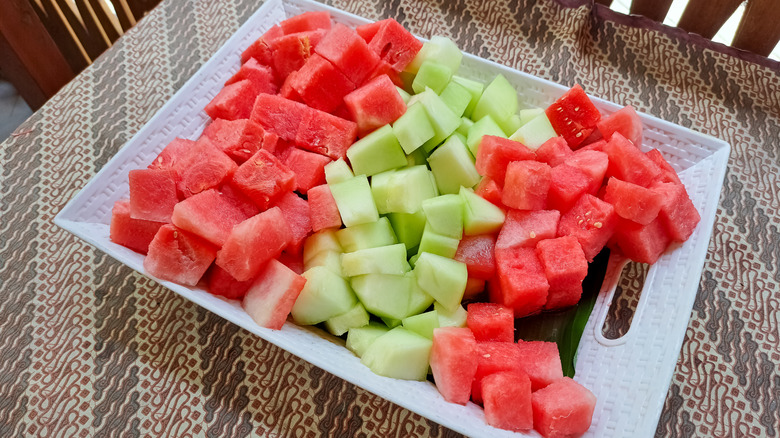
(465,125)
(534,133)
(474,88)
(369,235)
(327,259)
(527,114)
(389,259)
(359,338)
(354,200)
(451,318)
(442,278)
(404,95)
(479,215)
(391,322)
(376,152)
(499,100)
(453,166)
(384,295)
(416,158)
(325,240)
(511,125)
(485,126)
(403,191)
(433,75)
(457,98)
(324,296)
(440,49)
(443,120)
(337,171)
(400,354)
(419,300)
(438,244)
(444,214)
(353,318)
(408,227)
(413,128)
(423,323)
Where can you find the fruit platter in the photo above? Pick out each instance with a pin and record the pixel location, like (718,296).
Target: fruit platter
(385,208)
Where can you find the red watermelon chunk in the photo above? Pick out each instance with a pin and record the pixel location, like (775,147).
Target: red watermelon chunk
(209,214)
(311,20)
(678,214)
(526,185)
(489,190)
(309,168)
(320,85)
(201,167)
(597,145)
(260,50)
(253,242)
(565,266)
(233,102)
(152,194)
(668,173)
(178,256)
(573,116)
(522,283)
(367,31)
(495,153)
(291,51)
(240,139)
(563,409)
(454,362)
(263,178)
(567,184)
(171,154)
(592,221)
(220,282)
(491,322)
(261,77)
(554,151)
(375,104)
(541,361)
(477,253)
(633,202)
(296,213)
(641,243)
(507,400)
(348,52)
(493,357)
(135,234)
(272,295)
(323,209)
(394,44)
(625,121)
(280,115)
(526,228)
(288,91)
(293,260)
(240,200)
(593,164)
(628,163)
(326,134)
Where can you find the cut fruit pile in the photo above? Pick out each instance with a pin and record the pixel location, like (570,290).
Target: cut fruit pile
(352,179)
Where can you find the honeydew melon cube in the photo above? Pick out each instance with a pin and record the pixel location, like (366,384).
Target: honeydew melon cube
(337,171)
(444,214)
(376,152)
(389,259)
(451,318)
(400,354)
(419,300)
(370,235)
(380,185)
(354,200)
(324,296)
(408,188)
(359,338)
(443,120)
(527,114)
(452,166)
(325,240)
(404,95)
(327,259)
(465,125)
(534,133)
(413,128)
(435,243)
(475,89)
(386,296)
(416,158)
(353,318)
(462,138)
(423,323)
(456,97)
(442,278)
(485,126)
(440,49)
(391,322)
(431,75)
(480,216)
(510,125)
(406,81)
(499,100)
(408,227)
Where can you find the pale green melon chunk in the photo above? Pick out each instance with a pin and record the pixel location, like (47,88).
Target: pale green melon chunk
(416,158)
(413,128)
(391,322)
(376,152)
(389,259)
(324,296)
(320,241)
(328,259)
(443,120)
(475,89)
(452,166)
(479,215)
(354,200)
(499,100)
(404,95)
(408,188)
(408,227)
(534,133)
(440,49)
(442,278)
(400,354)
(465,125)
(384,295)
(436,243)
(353,318)
(431,75)
(370,235)
(510,125)
(419,300)
(457,98)
(462,139)
(380,185)
(528,114)
(359,338)
(445,215)
(423,323)
(337,171)
(485,126)
(451,318)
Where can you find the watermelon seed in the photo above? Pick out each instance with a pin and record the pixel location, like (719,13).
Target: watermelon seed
(532,234)
(580,222)
(597,224)
(576,108)
(587,213)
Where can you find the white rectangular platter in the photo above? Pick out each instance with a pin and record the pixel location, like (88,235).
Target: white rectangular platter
(629,376)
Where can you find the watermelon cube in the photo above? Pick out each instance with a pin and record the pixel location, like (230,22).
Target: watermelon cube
(541,361)
(567,185)
(296,213)
(291,51)
(233,102)
(374,104)
(311,20)
(554,151)
(495,153)
(394,44)
(293,260)
(260,50)
(272,295)
(489,190)
(173,152)
(263,178)
(494,357)
(209,214)
(678,214)
(239,139)
(628,163)
(625,121)
(323,211)
(320,84)
(522,283)
(526,228)
(135,234)
(507,399)
(348,52)
(326,134)
(477,252)
(633,202)
(220,282)
(179,256)
(367,31)
(642,243)
(573,116)
(279,115)
(563,409)
(454,362)
(253,242)
(592,221)
(201,167)
(593,164)
(309,168)
(491,322)
(668,173)
(240,200)
(152,194)
(565,266)
(526,185)
(261,77)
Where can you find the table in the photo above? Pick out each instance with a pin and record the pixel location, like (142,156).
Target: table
(91,348)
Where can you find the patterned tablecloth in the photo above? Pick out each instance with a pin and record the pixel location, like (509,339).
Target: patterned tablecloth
(91,348)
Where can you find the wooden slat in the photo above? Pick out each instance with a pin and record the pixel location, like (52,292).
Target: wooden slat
(706,17)
(655,10)
(93,39)
(124,14)
(141,7)
(62,35)
(106,24)
(604,2)
(759,29)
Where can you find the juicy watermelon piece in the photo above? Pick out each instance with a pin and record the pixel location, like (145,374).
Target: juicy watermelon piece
(240,200)
(233,102)
(625,121)
(565,267)
(394,44)
(385,69)
(491,322)
(641,243)
(628,163)
(573,116)
(554,151)
(263,178)
(493,357)
(477,252)
(171,154)
(668,173)
(209,214)
(495,153)
(597,145)
(593,164)
(348,52)
(261,77)
(592,221)
(507,400)
(563,408)
(633,202)
(326,134)
(260,50)
(272,295)
(309,168)
(489,190)
(291,51)
(135,234)
(152,194)
(220,282)
(375,104)
(280,115)
(541,361)
(288,91)
(367,31)
(526,228)
(678,214)
(526,185)
(454,362)
(323,209)
(253,242)
(311,20)
(567,185)
(293,260)
(201,167)
(296,213)
(178,256)
(522,283)
(239,139)
(321,85)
